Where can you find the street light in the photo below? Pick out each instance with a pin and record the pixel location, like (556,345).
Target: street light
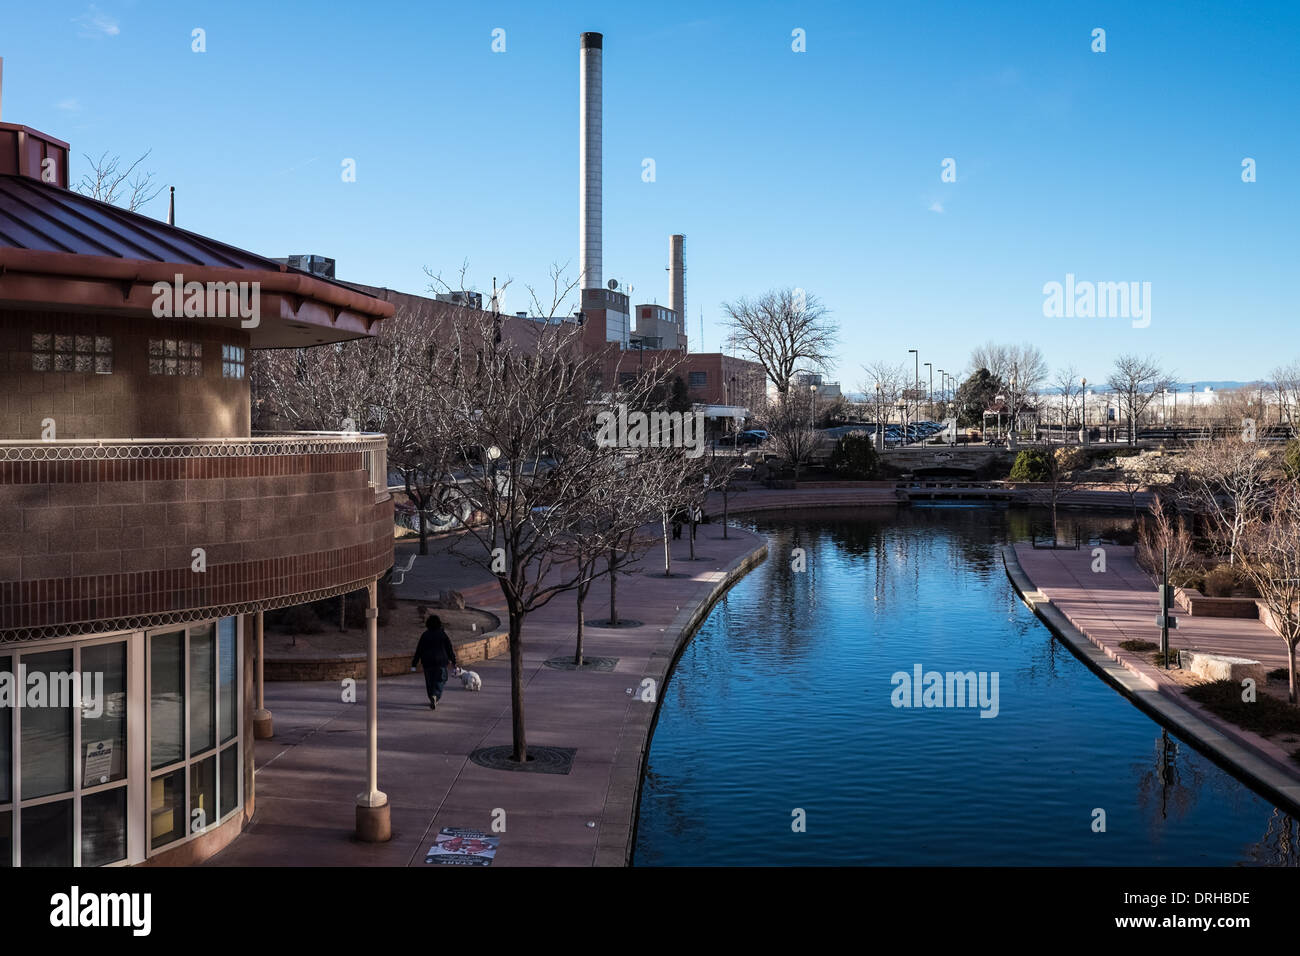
(916,383)
(813,421)
(1083,414)
(929,397)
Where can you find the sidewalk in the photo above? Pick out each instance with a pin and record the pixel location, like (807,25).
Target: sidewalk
(309,774)
(1094,612)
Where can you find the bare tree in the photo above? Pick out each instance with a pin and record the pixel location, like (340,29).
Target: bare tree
(1163,532)
(1136,381)
(524,411)
(1060,464)
(1021,369)
(110,182)
(1285,382)
(1271,561)
(1228,481)
(783,330)
(793,436)
(883,389)
(1066,383)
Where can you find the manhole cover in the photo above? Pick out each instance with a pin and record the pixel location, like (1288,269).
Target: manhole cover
(623,622)
(588,663)
(540,759)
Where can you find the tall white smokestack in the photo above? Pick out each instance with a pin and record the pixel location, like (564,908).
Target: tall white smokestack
(677,277)
(589,161)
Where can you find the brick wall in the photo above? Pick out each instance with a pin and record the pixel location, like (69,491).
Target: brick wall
(105,540)
(130,402)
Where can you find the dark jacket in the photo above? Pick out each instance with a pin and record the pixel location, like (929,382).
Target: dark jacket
(434,650)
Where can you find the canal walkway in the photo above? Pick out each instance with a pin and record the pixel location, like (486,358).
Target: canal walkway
(1095,612)
(309,773)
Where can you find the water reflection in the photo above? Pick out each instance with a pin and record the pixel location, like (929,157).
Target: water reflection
(782,700)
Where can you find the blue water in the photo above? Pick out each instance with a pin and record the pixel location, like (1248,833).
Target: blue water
(782,702)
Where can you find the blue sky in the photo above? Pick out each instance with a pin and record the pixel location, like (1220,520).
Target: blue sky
(818,170)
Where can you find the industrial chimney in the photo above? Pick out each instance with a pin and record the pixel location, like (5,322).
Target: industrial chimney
(677,277)
(589,161)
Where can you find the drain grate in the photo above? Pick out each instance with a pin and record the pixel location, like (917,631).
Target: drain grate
(540,759)
(588,663)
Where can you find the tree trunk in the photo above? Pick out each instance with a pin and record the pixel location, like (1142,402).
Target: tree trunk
(613,591)
(668,554)
(582,624)
(1290,672)
(424,531)
(724,512)
(517,686)
(692,534)
(343,612)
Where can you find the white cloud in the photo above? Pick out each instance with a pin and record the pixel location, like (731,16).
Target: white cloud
(936,206)
(69,105)
(96,23)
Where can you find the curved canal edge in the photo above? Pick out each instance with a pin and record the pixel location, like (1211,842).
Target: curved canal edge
(639,722)
(1241,752)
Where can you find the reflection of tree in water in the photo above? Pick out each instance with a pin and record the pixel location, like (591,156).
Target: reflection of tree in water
(1170,784)
(1280,845)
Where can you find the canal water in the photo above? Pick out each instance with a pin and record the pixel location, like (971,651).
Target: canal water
(782,709)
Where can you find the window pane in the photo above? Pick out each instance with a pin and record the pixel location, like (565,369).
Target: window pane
(167,698)
(103,718)
(103,827)
(47,729)
(229,668)
(6,839)
(229,779)
(203,700)
(6,741)
(166,808)
(203,793)
(47,833)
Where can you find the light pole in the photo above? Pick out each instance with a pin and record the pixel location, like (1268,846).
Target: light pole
(916,383)
(813,420)
(929,395)
(880,426)
(1083,414)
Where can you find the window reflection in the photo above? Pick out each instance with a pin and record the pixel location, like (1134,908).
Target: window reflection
(47,730)
(167,698)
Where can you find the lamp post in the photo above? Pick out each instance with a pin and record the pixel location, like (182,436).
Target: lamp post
(812,421)
(942,379)
(1013,417)
(916,383)
(929,395)
(1083,414)
(880,426)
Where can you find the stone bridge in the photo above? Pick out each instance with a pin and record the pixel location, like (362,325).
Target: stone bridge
(951,459)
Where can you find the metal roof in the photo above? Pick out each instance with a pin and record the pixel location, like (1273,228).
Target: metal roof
(47,218)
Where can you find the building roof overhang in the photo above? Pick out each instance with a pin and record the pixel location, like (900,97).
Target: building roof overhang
(61,251)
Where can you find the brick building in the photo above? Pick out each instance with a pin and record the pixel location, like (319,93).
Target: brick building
(143,528)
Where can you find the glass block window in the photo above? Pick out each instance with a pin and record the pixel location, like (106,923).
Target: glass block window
(698,379)
(175,357)
(232,361)
(72,353)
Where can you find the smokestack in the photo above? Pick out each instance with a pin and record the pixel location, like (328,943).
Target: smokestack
(589,160)
(677,277)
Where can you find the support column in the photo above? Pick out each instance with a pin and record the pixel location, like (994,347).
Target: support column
(374,824)
(262,724)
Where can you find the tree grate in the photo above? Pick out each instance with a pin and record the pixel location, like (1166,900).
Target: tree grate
(588,663)
(540,759)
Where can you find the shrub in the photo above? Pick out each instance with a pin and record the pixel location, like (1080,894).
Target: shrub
(1265,715)
(1031,465)
(1220,582)
(1139,647)
(1291,459)
(1187,578)
(854,457)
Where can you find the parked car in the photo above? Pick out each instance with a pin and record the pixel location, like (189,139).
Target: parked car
(754,436)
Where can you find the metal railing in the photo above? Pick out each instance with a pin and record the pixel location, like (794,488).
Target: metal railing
(372,447)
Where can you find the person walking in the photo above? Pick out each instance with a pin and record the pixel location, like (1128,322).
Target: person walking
(435,653)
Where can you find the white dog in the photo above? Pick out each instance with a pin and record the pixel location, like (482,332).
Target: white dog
(469,679)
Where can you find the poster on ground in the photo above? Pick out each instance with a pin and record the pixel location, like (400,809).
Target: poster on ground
(457,846)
